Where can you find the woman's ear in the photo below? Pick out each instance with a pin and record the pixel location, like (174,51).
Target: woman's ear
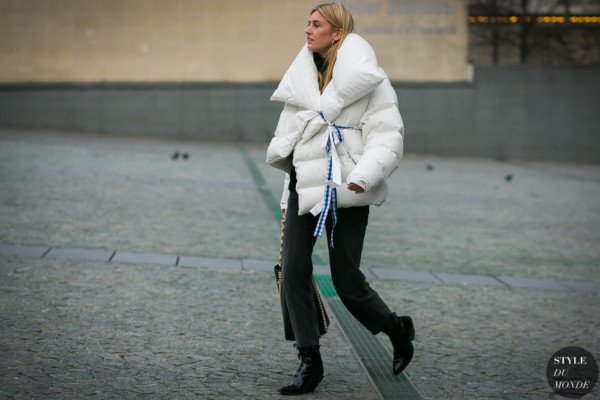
(337,35)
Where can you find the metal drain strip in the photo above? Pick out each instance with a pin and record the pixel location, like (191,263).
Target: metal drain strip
(375,358)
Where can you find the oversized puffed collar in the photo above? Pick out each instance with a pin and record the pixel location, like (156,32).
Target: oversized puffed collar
(355,74)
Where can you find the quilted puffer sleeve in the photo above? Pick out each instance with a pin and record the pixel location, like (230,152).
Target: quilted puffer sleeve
(286,137)
(383,133)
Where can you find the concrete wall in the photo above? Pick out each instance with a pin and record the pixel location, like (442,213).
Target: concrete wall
(220,112)
(508,112)
(215,40)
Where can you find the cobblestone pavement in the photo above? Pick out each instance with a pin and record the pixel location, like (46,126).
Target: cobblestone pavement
(79,329)
(89,191)
(73,330)
(481,342)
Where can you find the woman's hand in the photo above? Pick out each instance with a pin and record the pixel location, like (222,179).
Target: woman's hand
(355,188)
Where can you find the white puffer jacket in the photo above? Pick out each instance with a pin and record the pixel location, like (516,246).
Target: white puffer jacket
(359,96)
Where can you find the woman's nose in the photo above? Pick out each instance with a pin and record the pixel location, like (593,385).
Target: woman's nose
(307,30)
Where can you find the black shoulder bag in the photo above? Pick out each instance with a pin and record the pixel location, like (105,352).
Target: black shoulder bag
(321,313)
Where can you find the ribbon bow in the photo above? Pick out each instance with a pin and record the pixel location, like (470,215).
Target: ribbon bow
(332,137)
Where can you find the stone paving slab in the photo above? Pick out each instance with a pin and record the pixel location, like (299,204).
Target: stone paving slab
(144,258)
(18,250)
(582,286)
(318,269)
(80,254)
(368,273)
(418,276)
(321,270)
(207,262)
(256,265)
(532,283)
(90,329)
(468,279)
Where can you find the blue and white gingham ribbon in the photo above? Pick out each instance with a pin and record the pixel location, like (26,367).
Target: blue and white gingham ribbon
(333,136)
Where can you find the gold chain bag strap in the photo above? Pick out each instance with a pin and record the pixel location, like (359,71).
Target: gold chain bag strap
(323,318)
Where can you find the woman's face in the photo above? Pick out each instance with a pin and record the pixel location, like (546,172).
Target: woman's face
(320,34)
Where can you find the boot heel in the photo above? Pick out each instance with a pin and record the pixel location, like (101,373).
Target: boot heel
(309,374)
(408,323)
(402,335)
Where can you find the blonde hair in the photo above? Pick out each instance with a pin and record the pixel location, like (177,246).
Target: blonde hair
(340,18)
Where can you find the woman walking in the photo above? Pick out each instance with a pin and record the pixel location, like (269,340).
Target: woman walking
(339,138)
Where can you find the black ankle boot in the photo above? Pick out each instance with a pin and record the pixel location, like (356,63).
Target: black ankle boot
(309,373)
(401,332)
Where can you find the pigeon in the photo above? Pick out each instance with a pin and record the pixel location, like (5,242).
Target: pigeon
(429,167)
(185,156)
(175,155)
(508,178)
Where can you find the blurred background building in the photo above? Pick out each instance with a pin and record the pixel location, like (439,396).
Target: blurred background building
(492,78)
(541,32)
